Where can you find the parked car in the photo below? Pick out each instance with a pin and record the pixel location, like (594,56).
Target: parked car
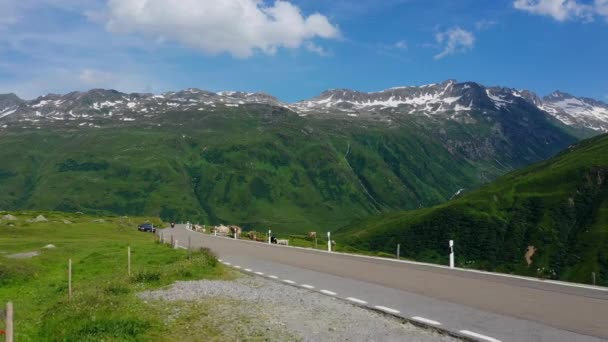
(147,227)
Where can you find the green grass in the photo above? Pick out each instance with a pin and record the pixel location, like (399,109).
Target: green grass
(104,305)
(558,206)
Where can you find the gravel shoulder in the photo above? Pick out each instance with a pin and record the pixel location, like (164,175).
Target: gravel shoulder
(257,309)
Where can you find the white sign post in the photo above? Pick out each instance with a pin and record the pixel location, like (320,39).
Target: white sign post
(451,253)
(269,232)
(329,241)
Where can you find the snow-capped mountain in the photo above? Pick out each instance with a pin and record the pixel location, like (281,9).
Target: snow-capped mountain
(577,111)
(449,100)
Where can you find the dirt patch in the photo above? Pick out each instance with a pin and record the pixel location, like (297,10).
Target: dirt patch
(26,255)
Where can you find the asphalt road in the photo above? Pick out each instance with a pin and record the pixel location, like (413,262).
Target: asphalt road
(486,306)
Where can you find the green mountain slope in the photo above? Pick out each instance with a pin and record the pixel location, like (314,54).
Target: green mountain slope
(559,206)
(262,166)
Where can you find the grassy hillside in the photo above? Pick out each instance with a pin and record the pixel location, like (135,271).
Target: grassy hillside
(559,206)
(260,167)
(105,306)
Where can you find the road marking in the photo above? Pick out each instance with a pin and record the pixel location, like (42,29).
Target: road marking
(555,282)
(182,247)
(227,263)
(248,269)
(259,273)
(288,281)
(327,292)
(237,266)
(479,336)
(425,320)
(389,310)
(306,286)
(220,260)
(356,300)
(273,277)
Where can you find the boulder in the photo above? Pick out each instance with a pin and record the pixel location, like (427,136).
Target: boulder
(9,218)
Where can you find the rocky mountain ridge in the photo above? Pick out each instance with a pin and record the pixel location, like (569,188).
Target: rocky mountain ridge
(450,100)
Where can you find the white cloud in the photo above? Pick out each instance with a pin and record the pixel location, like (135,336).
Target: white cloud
(454,40)
(485,24)
(562,10)
(402,44)
(238,27)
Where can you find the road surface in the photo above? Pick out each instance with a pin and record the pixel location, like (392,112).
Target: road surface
(485,306)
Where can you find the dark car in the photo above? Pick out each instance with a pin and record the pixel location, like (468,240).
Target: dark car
(147,227)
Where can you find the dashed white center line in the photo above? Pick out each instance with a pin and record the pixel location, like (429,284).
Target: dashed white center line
(425,320)
(288,281)
(327,292)
(389,310)
(248,269)
(356,300)
(479,336)
(259,273)
(306,286)
(273,277)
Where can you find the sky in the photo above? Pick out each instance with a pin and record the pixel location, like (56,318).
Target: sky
(295,49)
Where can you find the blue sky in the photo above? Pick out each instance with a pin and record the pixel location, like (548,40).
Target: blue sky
(296,49)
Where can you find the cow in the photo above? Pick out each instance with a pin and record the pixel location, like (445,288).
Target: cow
(312,235)
(283,242)
(221,229)
(236,230)
(252,236)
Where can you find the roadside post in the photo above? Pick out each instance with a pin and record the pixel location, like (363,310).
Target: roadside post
(329,241)
(9,322)
(189,247)
(69,280)
(398,251)
(129,260)
(451,253)
(175,245)
(269,233)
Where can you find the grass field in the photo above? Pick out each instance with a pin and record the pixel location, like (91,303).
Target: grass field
(105,306)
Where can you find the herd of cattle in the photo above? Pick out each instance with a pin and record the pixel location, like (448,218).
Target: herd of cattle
(233,230)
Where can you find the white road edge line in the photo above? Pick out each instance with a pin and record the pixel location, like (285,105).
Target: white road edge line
(237,266)
(259,273)
(356,300)
(389,310)
(220,260)
(425,320)
(182,247)
(555,282)
(327,292)
(273,277)
(227,263)
(479,336)
(306,286)
(289,281)
(248,269)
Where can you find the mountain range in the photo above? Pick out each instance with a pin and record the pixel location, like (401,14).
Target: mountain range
(253,160)
(447,100)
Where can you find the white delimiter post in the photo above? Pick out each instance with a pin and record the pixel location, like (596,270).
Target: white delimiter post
(329,241)
(451,253)
(269,232)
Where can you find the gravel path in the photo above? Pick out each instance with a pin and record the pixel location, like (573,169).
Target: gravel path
(289,313)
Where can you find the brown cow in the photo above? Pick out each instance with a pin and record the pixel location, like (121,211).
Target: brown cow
(312,235)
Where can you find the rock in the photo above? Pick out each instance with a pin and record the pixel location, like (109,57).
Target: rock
(49,246)
(67,222)
(9,218)
(38,218)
